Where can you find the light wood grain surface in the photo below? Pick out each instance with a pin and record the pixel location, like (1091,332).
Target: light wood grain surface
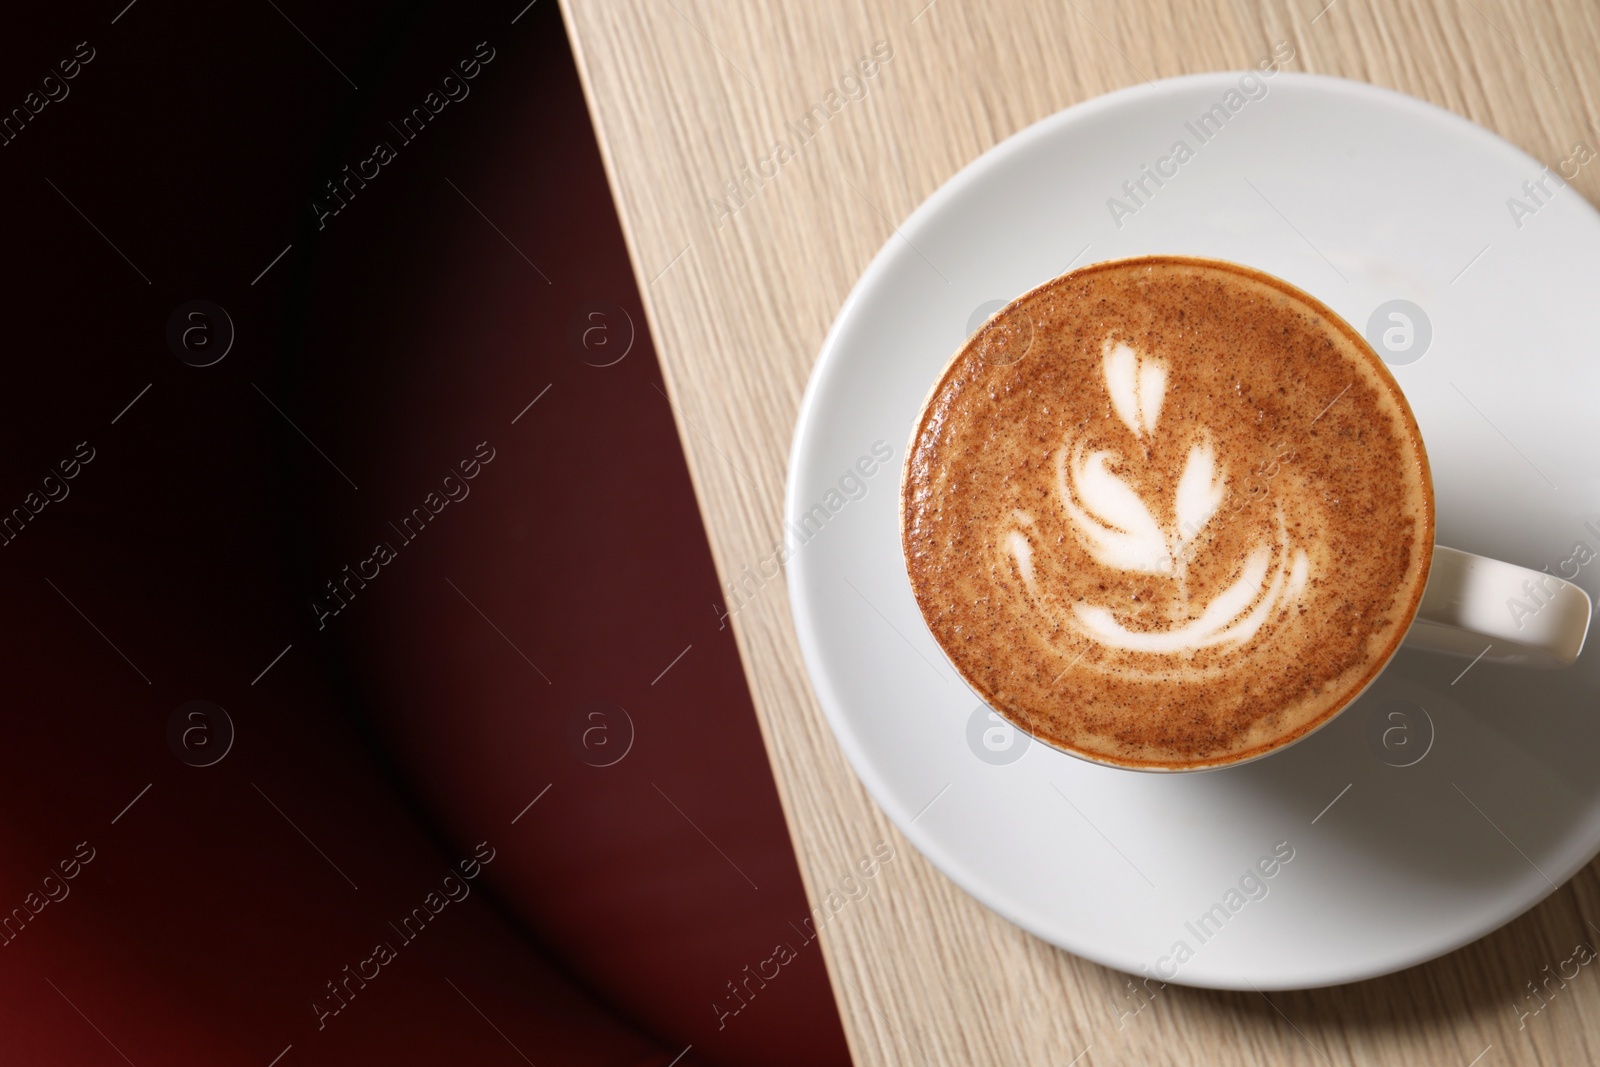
(687,93)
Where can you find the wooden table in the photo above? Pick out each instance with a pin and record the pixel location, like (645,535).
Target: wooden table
(742,271)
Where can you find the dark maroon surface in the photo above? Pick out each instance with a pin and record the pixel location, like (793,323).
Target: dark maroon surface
(384,746)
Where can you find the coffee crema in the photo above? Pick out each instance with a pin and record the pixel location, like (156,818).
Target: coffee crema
(1167,513)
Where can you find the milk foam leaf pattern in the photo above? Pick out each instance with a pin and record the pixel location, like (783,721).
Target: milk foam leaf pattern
(1118,529)
(1200,492)
(1120,532)
(1137,387)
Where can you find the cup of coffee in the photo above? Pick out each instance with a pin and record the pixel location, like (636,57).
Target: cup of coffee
(1175,514)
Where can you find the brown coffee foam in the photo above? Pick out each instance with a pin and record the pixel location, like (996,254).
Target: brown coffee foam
(1319,454)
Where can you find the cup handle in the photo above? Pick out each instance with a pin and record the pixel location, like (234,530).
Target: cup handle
(1475,606)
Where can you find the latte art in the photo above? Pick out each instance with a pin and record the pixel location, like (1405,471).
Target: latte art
(1115,525)
(1186,526)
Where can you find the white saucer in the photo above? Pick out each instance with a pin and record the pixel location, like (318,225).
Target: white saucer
(1360,196)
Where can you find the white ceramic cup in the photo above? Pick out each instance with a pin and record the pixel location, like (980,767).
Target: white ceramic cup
(1472,606)
(1476,606)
